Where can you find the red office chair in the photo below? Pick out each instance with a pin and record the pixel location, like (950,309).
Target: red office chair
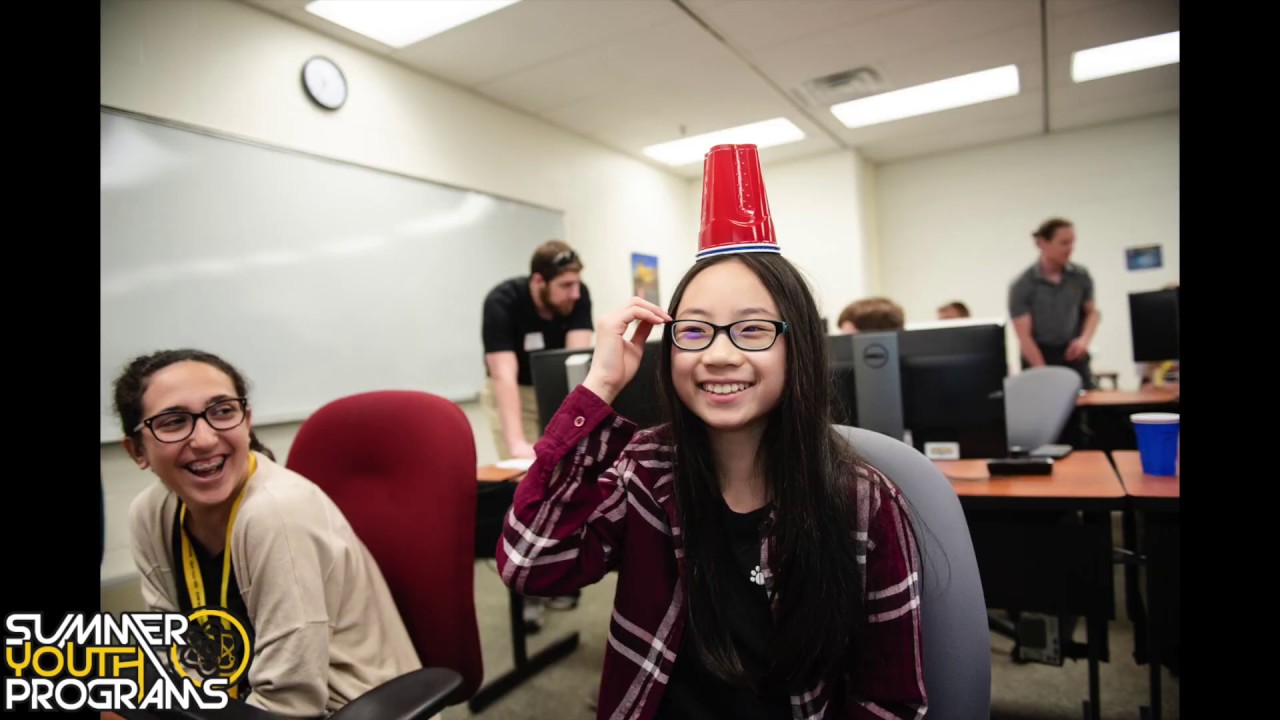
(402,468)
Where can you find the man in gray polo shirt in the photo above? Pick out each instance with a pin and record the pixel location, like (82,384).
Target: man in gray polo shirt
(1052,304)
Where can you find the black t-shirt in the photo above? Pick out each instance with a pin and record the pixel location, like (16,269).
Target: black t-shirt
(512,323)
(211,576)
(694,692)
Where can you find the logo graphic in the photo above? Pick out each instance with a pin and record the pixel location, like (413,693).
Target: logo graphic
(215,648)
(148,661)
(875,356)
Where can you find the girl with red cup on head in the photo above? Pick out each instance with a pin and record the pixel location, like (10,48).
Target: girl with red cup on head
(764,569)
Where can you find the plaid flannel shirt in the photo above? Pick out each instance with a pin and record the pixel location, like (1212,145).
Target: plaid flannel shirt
(599,497)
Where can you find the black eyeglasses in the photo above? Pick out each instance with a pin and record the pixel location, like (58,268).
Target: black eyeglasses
(748,335)
(178,425)
(564,257)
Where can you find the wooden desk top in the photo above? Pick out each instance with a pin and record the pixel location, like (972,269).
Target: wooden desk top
(493,473)
(1141,486)
(1082,480)
(1108,398)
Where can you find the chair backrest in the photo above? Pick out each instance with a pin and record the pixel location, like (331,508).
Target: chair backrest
(401,466)
(1037,404)
(956,641)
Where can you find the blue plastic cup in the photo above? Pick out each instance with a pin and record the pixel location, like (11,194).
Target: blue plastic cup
(1157,441)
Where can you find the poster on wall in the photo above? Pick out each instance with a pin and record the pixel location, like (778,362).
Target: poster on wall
(644,277)
(1146,257)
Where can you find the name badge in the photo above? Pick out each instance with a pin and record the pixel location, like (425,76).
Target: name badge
(533,341)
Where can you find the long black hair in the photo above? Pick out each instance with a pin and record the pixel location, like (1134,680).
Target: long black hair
(132,383)
(808,469)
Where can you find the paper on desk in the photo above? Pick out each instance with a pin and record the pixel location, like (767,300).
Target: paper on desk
(514,464)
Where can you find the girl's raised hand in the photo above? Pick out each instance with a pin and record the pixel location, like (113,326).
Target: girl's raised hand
(616,359)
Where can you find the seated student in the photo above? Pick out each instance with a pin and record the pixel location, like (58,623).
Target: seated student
(268,545)
(764,570)
(953,311)
(871,314)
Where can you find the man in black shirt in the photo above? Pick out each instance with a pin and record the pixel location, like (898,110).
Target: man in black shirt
(549,309)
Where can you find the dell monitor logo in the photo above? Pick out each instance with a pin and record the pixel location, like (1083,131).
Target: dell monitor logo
(875,356)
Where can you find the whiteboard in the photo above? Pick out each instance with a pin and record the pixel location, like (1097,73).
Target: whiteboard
(316,278)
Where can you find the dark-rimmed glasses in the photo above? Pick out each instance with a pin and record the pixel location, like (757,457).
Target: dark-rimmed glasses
(178,425)
(564,257)
(748,335)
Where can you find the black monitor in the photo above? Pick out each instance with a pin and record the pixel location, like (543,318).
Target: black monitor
(953,388)
(840,348)
(938,386)
(844,398)
(1154,322)
(637,402)
(550,383)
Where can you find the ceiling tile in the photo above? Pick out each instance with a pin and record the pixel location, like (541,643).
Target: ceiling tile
(756,25)
(531,33)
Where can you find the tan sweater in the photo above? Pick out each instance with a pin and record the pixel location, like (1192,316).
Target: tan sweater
(326,629)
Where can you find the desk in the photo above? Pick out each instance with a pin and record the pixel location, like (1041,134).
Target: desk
(1158,500)
(1043,544)
(1101,418)
(497,488)
(1083,480)
(1147,492)
(1113,398)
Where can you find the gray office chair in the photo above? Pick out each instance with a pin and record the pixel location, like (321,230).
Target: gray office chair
(956,644)
(1037,404)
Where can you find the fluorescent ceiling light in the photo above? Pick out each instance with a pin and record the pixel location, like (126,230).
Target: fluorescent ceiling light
(931,97)
(403,22)
(778,131)
(1126,57)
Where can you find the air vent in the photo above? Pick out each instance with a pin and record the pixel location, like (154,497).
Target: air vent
(840,87)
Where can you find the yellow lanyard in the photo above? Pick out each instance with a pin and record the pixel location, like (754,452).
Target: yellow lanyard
(195,579)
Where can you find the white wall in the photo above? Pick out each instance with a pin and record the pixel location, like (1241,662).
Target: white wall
(958,226)
(824,224)
(235,69)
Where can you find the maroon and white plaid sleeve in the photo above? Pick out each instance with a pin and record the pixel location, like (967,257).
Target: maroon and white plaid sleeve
(567,516)
(890,683)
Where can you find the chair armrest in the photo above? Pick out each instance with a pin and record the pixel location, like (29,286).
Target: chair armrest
(417,695)
(234,710)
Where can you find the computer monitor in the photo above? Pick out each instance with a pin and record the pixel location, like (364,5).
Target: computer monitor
(942,387)
(637,402)
(844,397)
(953,388)
(550,380)
(1154,323)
